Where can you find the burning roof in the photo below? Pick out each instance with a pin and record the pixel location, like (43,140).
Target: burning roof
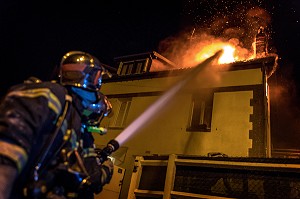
(168,68)
(240,47)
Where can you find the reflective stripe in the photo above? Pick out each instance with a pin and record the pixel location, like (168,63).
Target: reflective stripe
(64,127)
(53,102)
(73,140)
(89,152)
(71,137)
(68,98)
(15,153)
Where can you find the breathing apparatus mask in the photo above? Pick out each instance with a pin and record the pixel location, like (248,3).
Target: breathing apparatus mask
(95,112)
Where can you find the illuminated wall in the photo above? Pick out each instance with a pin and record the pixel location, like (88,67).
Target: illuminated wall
(239,122)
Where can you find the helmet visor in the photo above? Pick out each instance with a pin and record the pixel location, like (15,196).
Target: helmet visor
(81,75)
(81,69)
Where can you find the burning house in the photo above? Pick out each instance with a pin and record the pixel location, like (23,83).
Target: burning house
(175,125)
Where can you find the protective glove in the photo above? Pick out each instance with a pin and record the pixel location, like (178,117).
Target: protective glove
(108,169)
(99,175)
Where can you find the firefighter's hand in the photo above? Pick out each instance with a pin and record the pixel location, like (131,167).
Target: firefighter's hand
(99,175)
(108,168)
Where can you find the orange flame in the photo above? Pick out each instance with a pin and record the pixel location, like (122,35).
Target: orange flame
(200,47)
(229,55)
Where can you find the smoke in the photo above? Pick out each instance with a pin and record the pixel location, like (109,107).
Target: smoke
(285,111)
(188,52)
(235,23)
(206,23)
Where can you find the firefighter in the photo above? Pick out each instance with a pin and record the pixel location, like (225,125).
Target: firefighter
(46,150)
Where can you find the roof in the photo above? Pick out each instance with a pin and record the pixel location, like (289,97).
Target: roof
(269,63)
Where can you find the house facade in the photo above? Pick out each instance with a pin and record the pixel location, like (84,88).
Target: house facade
(224,112)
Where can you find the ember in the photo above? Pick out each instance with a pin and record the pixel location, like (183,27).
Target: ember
(235,33)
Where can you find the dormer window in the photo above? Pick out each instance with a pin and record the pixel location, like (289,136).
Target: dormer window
(133,67)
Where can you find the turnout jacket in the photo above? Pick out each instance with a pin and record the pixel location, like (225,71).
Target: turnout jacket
(30,115)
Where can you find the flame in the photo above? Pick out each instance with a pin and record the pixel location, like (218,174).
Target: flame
(229,53)
(201,46)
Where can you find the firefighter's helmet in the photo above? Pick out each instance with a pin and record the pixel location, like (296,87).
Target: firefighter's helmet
(80,69)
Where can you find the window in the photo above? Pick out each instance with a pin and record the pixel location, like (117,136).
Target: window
(201,112)
(134,67)
(121,112)
(124,69)
(130,68)
(139,67)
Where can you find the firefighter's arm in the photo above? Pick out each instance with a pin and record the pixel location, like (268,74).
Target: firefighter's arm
(99,174)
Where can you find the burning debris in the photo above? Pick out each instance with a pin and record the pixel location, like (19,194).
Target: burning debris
(242,35)
(261,42)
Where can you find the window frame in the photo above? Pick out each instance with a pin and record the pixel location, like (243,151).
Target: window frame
(200,116)
(131,67)
(121,112)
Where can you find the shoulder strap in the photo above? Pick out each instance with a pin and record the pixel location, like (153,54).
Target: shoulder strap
(41,162)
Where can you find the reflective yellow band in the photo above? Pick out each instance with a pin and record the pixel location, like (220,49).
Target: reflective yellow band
(15,153)
(53,102)
(89,152)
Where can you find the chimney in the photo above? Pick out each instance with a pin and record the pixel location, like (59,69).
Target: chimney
(261,43)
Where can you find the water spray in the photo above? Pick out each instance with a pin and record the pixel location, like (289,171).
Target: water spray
(114,144)
(143,119)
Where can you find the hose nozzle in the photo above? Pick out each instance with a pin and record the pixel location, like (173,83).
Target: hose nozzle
(112,146)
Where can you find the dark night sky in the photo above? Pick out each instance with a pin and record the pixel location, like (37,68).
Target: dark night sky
(35,35)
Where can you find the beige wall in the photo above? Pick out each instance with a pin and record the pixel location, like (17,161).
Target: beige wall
(230,127)
(166,132)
